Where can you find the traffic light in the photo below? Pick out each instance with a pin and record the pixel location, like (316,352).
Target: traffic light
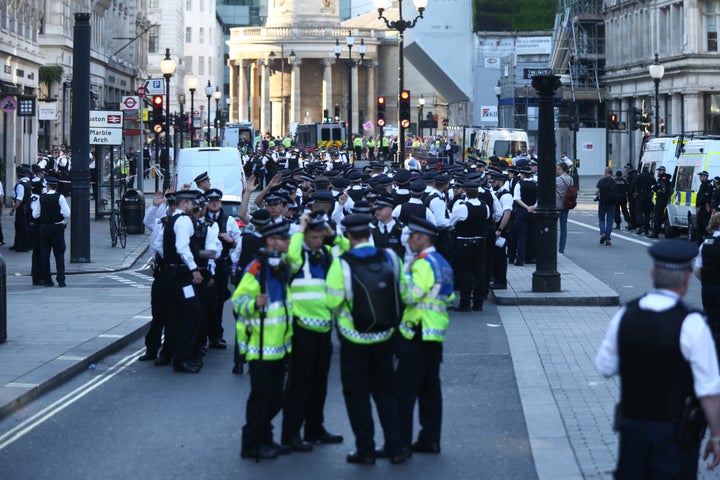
(381,111)
(158,121)
(636,118)
(326,116)
(337,112)
(404,106)
(613,121)
(647,122)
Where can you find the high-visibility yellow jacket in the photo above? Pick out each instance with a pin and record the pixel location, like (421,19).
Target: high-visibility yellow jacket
(428,294)
(307,287)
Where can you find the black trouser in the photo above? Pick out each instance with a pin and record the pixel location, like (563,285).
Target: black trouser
(183,315)
(206,295)
(418,377)
(307,383)
(644,208)
(367,370)
(219,295)
(52,236)
(489,257)
(158,307)
(36,271)
(649,449)
(703,218)
(632,207)
(263,403)
(659,213)
(524,228)
(470,271)
(499,270)
(621,206)
(22,223)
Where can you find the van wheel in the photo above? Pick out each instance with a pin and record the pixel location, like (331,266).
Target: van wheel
(670,232)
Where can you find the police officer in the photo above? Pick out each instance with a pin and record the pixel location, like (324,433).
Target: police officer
(36,270)
(621,186)
(366,359)
(663,189)
(388,232)
(702,204)
(52,210)
(502,227)
(525,198)
(229,236)
(21,209)
(643,188)
(309,259)
(184,276)
(424,323)
(264,330)
(469,220)
(707,270)
(666,359)
(415,206)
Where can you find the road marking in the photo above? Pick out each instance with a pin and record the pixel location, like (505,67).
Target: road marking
(73,358)
(110,335)
(22,385)
(9,437)
(614,236)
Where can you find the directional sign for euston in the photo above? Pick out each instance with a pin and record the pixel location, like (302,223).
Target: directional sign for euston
(106,127)
(154,86)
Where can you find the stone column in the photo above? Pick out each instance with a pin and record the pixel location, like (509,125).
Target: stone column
(265,116)
(233,108)
(354,96)
(254,111)
(242,91)
(694,112)
(371,90)
(674,123)
(295,106)
(693,23)
(327,103)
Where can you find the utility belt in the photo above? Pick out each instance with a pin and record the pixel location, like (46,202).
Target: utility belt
(478,240)
(181,270)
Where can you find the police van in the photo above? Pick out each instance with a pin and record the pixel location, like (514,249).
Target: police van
(662,152)
(503,143)
(238,135)
(697,155)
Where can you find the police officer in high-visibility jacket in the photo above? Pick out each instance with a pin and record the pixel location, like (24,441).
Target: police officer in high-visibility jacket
(309,261)
(423,327)
(366,359)
(264,311)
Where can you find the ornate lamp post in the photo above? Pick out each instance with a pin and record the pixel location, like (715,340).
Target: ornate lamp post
(217,96)
(350,64)
(182,123)
(498,92)
(400,25)
(208,94)
(167,67)
(420,107)
(192,84)
(657,70)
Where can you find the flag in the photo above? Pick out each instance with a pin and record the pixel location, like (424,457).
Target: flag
(367,125)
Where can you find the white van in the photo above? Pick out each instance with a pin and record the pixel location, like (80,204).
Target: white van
(238,135)
(697,155)
(503,143)
(224,167)
(662,152)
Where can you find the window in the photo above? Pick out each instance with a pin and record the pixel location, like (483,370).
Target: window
(201,66)
(201,37)
(154,4)
(188,34)
(685,177)
(153,39)
(188,64)
(711,21)
(188,5)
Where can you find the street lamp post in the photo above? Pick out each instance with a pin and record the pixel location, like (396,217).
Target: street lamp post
(657,70)
(421,106)
(217,96)
(350,64)
(400,25)
(208,94)
(167,67)
(192,84)
(498,92)
(181,122)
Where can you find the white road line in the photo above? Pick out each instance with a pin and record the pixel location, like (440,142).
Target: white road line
(614,235)
(61,404)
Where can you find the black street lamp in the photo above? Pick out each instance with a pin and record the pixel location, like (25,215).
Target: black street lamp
(192,84)
(546,278)
(350,64)
(167,67)
(420,107)
(400,25)
(657,70)
(182,123)
(208,94)
(498,92)
(217,96)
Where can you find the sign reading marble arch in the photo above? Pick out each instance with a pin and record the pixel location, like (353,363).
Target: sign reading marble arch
(106,127)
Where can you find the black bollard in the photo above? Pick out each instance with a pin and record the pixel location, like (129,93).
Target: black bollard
(3,300)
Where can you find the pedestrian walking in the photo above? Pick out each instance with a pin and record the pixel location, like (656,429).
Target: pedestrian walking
(606,196)
(423,328)
(52,210)
(366,354)
(665,356)
(562,182)
(264,330)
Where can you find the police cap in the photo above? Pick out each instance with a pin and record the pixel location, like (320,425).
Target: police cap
(274,199)
(354,175)
(417,186)
(280,228)
(442,179)
(213,194)
(402,176)
(318,221)
(201,178)
(260,217)
(704,173)
(384,201)
(673,254)
(362,206)
(184,194)
(357,222)
(340,183)
(383,180)
(51,180)
(323,196)
(420,225)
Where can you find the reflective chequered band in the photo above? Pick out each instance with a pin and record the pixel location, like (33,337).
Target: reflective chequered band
(268,351)
(374,337)
(433,332)
(316,323)
(433,307)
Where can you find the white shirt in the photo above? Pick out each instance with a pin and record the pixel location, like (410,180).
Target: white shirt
(153,214)
(696,344)
(460,210)
(439,209)
(64,207)
(184,229)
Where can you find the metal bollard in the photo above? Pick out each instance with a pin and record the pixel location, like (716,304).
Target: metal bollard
(3,299)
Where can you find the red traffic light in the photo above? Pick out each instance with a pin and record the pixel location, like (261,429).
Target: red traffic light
(157,100)
(405,95)
(613,117)
(381,100)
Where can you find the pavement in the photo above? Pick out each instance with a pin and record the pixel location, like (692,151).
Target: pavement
(553,338)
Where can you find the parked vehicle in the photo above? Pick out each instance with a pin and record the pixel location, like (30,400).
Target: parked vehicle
(321,135)
(238,135)
(503,143)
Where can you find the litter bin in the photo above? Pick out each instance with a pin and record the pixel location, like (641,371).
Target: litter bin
(132,211)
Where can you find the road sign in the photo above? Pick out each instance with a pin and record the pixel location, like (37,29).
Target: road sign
(141,91)
(129,103)
(8,104)
(154,86)
(196,114)
(106,127)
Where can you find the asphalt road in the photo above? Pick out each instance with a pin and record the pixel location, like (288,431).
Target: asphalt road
(127,419)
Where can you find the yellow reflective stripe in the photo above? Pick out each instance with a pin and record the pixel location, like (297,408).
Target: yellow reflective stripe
(296,296)
(334,292)
(255,322)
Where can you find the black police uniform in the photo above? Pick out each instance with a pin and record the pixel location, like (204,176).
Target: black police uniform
(36,270)
(470,256)
(389,239)
(702,201)
(52,237)
(220,288)
(524,221)
(206,295)
(158,348)
(643,186)
(710,280)
(22,216)
(621,206)
(631,198)
(663,190)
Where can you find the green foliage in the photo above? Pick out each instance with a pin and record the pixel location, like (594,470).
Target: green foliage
(49,74)
(513,15)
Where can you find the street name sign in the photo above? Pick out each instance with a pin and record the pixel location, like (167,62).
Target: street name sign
(106,127)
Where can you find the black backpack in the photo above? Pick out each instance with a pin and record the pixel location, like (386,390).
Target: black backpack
(608,190)
(376,292)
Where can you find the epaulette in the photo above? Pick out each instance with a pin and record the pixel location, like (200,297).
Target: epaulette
(254,267)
